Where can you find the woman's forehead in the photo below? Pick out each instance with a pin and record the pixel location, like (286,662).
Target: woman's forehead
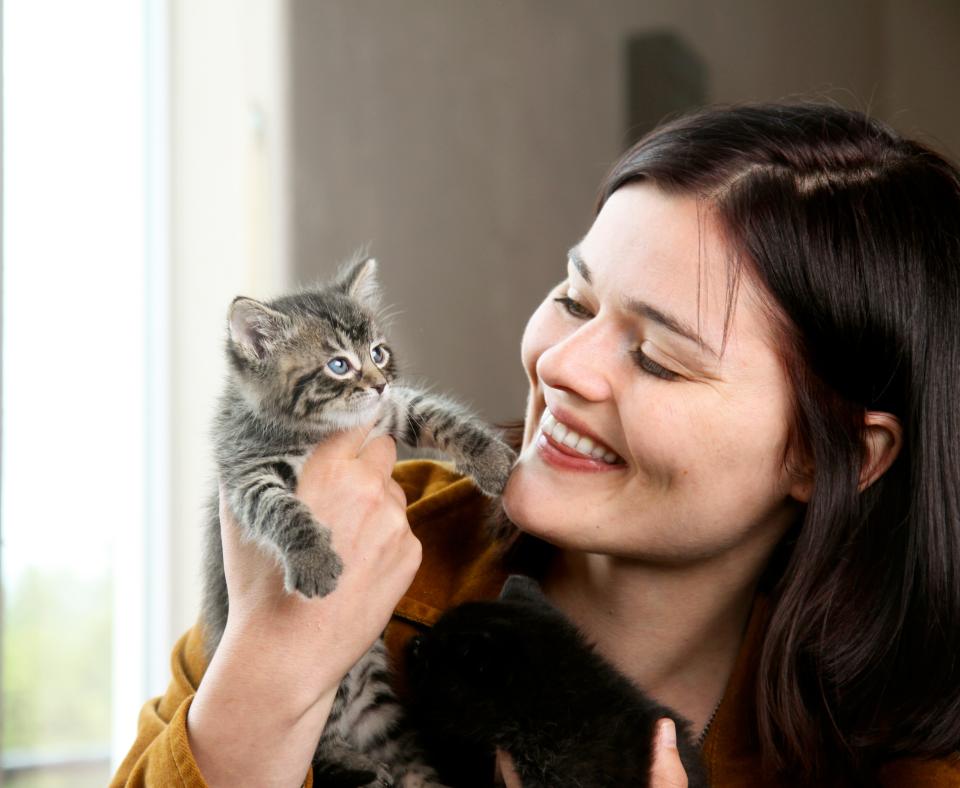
(666,254)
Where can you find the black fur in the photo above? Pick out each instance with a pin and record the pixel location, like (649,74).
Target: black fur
(515,674)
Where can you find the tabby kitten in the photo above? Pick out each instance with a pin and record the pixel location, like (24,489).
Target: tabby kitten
(303,367)
(517,675)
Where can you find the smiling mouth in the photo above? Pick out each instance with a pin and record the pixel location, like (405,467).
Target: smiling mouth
(575,443)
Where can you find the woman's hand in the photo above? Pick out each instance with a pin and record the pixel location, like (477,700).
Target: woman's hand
(265,697)
(348,488)
(666,772)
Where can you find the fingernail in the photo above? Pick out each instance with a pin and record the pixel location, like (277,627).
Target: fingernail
(668,734)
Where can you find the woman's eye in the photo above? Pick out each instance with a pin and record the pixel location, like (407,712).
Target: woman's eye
(338,365)
(379,354)
(575,308)
(651,367)
(642,360)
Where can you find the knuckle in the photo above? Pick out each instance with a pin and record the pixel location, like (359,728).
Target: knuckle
(369,488)
(414,553)
(390,448)
(394,488)
(415,547)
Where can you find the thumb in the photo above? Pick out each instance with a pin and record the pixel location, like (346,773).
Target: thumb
(344,445)
(667,770)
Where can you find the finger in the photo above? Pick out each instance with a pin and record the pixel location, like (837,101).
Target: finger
(343,445)
(667,770)
(381,454)
(506,773)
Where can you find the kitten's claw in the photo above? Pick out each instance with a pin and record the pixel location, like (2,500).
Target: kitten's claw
(313,571)
(491,468)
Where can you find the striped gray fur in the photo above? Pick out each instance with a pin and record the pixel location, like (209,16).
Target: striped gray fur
(302,368)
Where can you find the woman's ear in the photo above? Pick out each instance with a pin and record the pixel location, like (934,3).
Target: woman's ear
(801,487)
(882,439)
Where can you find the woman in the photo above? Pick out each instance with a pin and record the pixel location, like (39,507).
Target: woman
(741,446)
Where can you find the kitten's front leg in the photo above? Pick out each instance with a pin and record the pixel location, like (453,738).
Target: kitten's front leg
(269,513)
(423,419)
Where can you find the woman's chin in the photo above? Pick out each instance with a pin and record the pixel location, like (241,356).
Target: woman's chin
(528,506)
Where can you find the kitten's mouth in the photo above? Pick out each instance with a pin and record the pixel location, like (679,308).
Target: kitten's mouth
(367,403)
(572,442)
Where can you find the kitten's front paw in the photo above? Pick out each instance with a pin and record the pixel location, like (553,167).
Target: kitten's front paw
(491,467)
(312,572)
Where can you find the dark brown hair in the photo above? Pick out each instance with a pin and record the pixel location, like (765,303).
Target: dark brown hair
(853,233)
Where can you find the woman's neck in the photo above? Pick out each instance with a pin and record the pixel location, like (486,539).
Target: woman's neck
(675,632)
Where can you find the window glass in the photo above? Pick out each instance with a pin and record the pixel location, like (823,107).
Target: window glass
(73,371)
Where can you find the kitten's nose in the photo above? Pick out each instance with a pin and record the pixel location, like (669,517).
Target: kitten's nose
(380,388)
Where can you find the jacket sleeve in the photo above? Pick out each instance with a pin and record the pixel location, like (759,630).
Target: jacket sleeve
(161,755)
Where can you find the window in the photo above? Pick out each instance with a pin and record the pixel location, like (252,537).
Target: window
(79,252)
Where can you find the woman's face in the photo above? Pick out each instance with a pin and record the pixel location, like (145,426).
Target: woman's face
(687,444)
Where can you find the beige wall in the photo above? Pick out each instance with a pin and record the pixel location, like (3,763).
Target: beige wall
(922,69)
(465,140)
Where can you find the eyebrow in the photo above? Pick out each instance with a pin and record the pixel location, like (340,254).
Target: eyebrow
(642,308)
(576,259)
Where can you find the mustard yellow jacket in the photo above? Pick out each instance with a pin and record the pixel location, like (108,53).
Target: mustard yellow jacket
(462,562)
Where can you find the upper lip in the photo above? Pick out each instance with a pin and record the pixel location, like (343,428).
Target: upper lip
(567,418)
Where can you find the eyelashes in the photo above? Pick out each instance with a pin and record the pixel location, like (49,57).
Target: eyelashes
(647,364)
(575,308)
(578,311)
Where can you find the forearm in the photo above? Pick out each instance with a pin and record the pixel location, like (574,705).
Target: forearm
(246,727)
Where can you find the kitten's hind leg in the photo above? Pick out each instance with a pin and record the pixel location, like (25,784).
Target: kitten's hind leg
(331,775)
(337,764)
(429,420)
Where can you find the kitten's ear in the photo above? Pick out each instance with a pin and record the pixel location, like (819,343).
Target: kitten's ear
(255,329)
(521,588)
(358,280)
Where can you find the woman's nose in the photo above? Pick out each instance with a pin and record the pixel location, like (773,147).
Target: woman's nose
(581,363)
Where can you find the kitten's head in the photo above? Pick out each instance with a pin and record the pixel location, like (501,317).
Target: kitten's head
(317,359)
(468,661)
(489,658)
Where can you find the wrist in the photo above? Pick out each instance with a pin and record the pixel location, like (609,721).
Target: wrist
(245,728)
(279,662)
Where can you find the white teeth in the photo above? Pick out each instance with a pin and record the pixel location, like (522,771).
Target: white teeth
(581,444)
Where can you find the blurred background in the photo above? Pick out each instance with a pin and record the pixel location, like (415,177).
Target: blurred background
(161,156)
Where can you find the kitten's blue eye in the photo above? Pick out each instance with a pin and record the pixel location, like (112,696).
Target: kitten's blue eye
(339,365)
(379,354)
